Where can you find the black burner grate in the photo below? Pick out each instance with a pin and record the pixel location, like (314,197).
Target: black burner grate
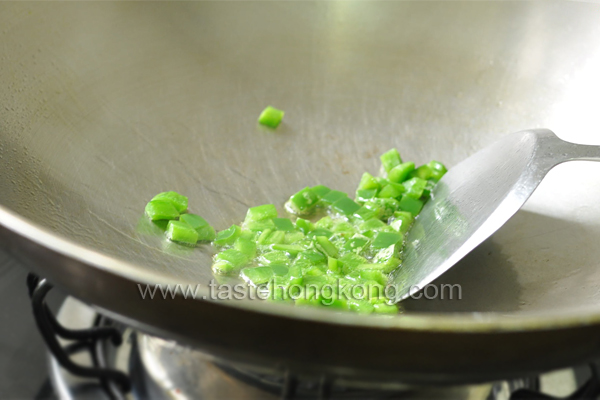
(288,386)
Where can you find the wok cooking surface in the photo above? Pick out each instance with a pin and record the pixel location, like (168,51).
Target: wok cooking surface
(106,104)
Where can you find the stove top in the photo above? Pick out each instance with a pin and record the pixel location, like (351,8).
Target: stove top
(23,360)
(160,369)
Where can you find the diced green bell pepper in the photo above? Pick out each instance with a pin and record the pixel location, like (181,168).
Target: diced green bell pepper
(413,206)
(180,202)
(438,170)
(363,195)
(271,117)
(390,159)
(303,202)
(320,190)
(205,231)
(423,172)
(261,213)
(400,173)
(180,232)
(391,190)
(228,236)
(328,248)
(415,187)
(368,182)
(386,239)
(283,224)
(304,225)
(257,275)
(158,210)
(332,197)
(402,221)
(345,206)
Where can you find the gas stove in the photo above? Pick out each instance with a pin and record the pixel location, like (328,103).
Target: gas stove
(161,369)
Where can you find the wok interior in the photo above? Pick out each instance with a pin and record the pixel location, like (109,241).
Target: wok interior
(107,104)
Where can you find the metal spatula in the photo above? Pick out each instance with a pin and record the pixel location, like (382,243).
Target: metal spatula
(475,198)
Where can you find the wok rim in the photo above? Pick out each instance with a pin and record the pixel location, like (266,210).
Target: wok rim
(471,322)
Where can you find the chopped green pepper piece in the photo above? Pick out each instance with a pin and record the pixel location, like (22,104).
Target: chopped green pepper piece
(320,232)
(261,213)
(257,275)
(320,190)
(236,258)
(367,212)
(386,239)
(304,225)
(303,201)
(373,275)
(326,246)
(356,244)
(415,187)
(424,172)
(312,257)
(411,205)
(293,249)
(283,224)
(390,159)
(274,257)
(385,268)
(271,117)
(391,190)
(429,188)
(259,226)
(350,261)
(345,206)
(313,271)
(400,173)
(181,232)
(224,268)
(279,270)
(401,221)
(264,236)
(363,195)
(293,237)
(368,182)
(438,170)
(271,237)
(334,265)
(333,196)
(179,201)
(387,206)
(343,227)
(386,261)
(325,222)
(372,224)
(228,236)
(161,210)
(246,247)
(205,231)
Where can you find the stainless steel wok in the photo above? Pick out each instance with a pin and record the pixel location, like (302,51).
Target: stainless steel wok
(105,104)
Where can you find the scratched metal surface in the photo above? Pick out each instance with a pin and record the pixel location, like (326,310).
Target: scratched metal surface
(106,104)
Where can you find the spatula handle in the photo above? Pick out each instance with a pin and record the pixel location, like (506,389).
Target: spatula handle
(555,150)
(581,152)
